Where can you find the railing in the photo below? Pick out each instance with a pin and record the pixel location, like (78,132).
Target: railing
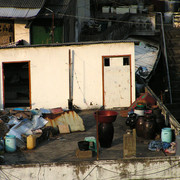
(165,55)
(169,118)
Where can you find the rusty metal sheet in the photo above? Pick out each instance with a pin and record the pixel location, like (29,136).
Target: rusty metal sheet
(71,118)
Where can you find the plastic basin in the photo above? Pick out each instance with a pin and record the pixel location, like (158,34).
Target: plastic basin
(105,116)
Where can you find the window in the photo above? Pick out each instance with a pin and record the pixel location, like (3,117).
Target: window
(125,61)
(106,62)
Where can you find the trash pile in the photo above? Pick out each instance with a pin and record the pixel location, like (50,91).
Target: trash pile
(24,129)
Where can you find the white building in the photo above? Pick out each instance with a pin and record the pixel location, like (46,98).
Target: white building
(90,74)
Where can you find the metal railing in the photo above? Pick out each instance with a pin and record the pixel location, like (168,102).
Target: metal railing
(165,55)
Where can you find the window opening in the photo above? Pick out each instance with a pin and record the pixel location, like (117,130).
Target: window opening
(106,62)
(125,61)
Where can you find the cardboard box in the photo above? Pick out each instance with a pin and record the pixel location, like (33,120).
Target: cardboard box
(84,154)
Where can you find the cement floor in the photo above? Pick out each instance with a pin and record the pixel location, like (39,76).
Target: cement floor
(62,148)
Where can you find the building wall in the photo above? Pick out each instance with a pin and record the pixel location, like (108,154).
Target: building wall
(132,168)
(20,32)
(49,72)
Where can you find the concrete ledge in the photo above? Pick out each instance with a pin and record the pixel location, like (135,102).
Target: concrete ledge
(129,168)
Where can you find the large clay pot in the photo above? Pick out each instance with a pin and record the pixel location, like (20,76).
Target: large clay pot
(131,120)
(105,133)
(149,127)
(105,118)
(140,126)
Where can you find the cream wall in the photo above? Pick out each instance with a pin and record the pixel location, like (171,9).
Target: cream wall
(20,32)
(49,68)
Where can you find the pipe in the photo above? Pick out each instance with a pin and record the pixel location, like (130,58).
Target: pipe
(166,61)
(70,83)
(52,26)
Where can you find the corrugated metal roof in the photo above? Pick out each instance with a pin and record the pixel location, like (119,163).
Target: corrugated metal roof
(22,3)
(29,9)
(20,8)
(18,13)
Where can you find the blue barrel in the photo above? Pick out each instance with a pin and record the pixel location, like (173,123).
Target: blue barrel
(10,143)
(166,135)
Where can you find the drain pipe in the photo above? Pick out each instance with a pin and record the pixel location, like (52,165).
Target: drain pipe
(70,100)
(165,55)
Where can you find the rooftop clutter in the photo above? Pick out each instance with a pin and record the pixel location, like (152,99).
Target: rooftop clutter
(21,128)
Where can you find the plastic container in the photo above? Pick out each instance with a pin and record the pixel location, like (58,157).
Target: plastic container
(92,143)
(139,111)
(31,142)
(83,145)
(10,143)
(166,135)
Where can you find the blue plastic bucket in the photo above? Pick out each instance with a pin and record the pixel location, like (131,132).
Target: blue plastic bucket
(166,135)
(10,143)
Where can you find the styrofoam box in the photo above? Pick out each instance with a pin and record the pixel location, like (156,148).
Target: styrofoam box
(133,9)
(122,10)
(105,9)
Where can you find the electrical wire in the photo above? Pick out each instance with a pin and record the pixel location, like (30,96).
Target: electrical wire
(11,175)
(5,174)
(90,172)
(131,174)
(94,19)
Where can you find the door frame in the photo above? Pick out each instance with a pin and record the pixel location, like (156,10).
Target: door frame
(29,72)
(113,56)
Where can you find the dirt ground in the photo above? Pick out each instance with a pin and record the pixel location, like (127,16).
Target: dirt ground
(62,147)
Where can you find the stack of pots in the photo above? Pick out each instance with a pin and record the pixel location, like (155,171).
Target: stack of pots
(139,110)
(145,124)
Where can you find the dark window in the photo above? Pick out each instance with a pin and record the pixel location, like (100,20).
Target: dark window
(125,61)
(106,62)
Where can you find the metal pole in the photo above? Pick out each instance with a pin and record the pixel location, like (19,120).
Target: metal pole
(52,27)
(70,80)
(165,55)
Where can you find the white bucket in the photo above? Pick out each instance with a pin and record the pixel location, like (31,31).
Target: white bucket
(139,112)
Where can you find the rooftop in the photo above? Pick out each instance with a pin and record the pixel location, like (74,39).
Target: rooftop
(62,147)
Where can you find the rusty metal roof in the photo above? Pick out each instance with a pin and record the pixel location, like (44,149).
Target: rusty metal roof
(20,8)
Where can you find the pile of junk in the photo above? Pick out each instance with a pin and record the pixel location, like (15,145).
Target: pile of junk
(25,129)
(147,119)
